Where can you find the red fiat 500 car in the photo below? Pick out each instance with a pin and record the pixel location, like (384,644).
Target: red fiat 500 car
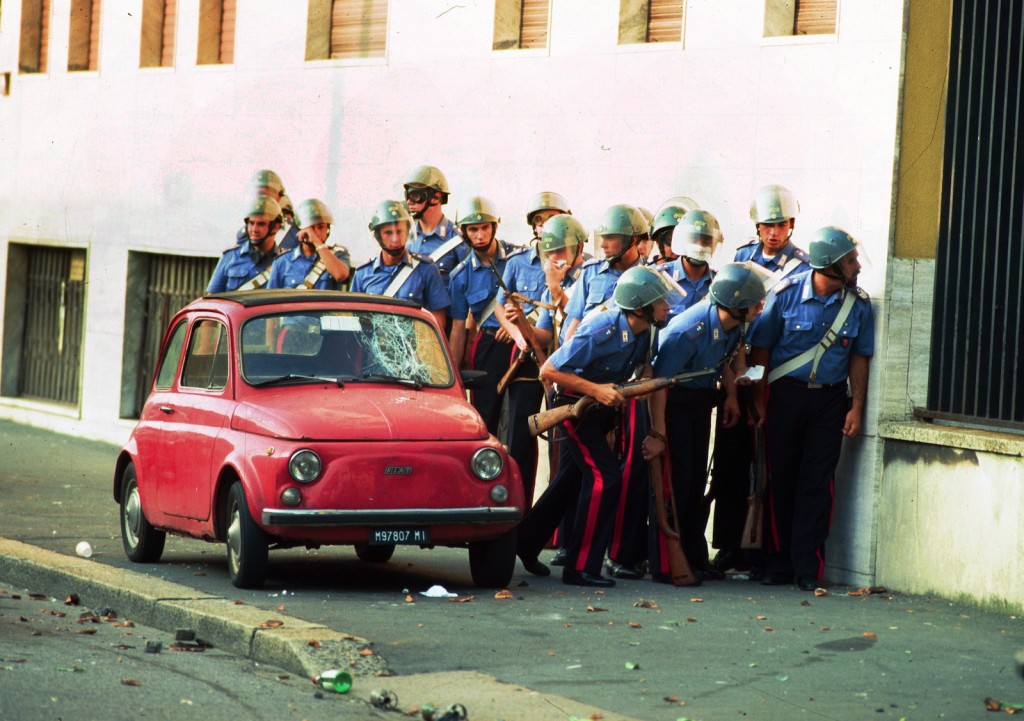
(308,418)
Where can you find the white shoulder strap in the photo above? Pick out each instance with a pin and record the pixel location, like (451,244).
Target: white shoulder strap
(818,350)
(258,282)
(446,248)
(400,277)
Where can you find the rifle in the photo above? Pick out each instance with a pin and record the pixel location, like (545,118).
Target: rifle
(540,422)
(753,527)
(679,567)
(525,340)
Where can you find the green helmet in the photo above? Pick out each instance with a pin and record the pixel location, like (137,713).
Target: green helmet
(741,285)
(640,286)
(389,211)
(286,204)
(773,204)
(829,245)
(546,200)
(562,231)
(480,210)
(670,212)
(313,211)
(267,179)
(622,220)
(263,205)
(693,233)
(427,176)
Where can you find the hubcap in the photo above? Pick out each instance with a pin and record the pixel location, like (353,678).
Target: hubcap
(132,516)
(234,538)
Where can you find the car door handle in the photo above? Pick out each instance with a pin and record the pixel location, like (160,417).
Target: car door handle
(166,409)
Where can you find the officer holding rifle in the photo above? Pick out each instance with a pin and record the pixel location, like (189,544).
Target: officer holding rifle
(608,346)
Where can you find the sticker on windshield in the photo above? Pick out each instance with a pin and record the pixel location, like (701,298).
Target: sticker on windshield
(340,322)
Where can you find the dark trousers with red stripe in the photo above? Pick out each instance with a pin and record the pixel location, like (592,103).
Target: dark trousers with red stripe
(804,436)
(688,429)
(730,477)
(491,355)
(629,535)
(523,397)
(588,480)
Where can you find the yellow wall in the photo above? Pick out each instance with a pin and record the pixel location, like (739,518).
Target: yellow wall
(919,183)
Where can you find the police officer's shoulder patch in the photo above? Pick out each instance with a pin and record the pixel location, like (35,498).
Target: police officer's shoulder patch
(696,330)
(514,250)
(593,261)
(750,243)
(861,293)
(234,248)
(458,269)
(801,255)
(338,248)
(367,264)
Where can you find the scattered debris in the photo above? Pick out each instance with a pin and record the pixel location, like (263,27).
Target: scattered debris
(384,699)
(272,623)
(335,680)
(632,666)
(461,599)
(438,592)
(503,594)
(992,705)
(71,600)
(130,682)
(313,643)
(596,609)
(644,603)
(154,646)
(83,549)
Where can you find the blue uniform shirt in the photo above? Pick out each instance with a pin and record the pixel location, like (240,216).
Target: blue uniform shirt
(795,319)
(694,340)
(427,244)
(235,268)
(693,290)
(524,274)
(423,286)
(472,285)
(291,269)
(755,251)
(603,349)
(595,286)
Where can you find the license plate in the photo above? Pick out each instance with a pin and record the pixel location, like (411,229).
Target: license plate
(405,536)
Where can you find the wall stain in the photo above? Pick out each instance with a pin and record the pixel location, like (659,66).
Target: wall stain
(915,453)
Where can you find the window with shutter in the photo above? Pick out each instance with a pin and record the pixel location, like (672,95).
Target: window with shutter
(650,21)
(815,17)
(521,24)
(35,34)
(156,42)
(216,32)
(83,35)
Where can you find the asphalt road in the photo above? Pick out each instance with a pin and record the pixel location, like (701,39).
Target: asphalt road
(728,649)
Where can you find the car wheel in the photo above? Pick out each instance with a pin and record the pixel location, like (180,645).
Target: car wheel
(248,545)
(493,562)
(375,554)
(142,542)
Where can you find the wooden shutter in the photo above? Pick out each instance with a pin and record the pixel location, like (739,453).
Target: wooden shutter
(533,28)
(227,32)
(665,21)
(359,28)
(94,36)
(170,16)
(44,36)
(815,17)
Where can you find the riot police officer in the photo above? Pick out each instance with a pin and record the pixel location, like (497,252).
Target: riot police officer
(431,233)
(816,337)
(706,336)
(246,265)
(473,287)
(314,263)
(694,240)
(395,271)
(542,206)
(609,345)
(774,210)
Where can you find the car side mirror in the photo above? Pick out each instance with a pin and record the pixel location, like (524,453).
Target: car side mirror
(472,378)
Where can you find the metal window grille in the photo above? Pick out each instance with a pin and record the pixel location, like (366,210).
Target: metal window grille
(975,367)
(172,282)
(54,314)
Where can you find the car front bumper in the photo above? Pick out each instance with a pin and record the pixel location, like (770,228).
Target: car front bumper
(481,515)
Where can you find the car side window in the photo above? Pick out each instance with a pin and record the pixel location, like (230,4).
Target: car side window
(206,364)
(169,363)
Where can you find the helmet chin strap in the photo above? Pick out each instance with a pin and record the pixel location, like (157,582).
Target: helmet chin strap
(613,259)
(393,253)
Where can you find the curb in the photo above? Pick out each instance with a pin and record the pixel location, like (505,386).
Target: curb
(272,638)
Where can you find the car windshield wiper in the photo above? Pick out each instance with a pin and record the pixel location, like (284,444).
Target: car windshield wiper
(339,380)
(384,378)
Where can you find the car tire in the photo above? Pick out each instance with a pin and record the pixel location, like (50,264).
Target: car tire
(247,544)
(493,562)
(142,542)
(375,554)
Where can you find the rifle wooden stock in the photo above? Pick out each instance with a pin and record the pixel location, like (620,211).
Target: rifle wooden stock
(511,372)
(679,567)
(521,324)
(753,526)
(540,422)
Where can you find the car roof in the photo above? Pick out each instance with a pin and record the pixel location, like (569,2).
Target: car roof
(251,298)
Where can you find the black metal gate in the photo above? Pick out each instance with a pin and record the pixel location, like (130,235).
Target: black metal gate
(171,283)
(54,315)
(975,370)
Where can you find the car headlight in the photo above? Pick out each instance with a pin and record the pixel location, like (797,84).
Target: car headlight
(486,464)
(304,466)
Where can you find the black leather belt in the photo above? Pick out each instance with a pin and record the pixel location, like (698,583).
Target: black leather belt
(802,384)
